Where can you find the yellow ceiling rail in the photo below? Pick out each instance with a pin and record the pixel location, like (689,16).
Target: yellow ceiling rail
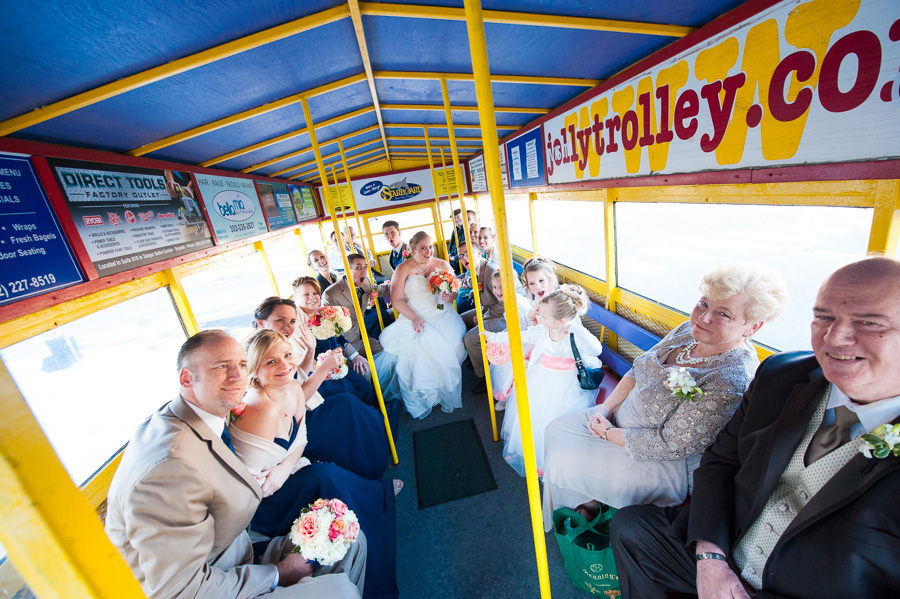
(175,67)
(367,65)
(284,137)
(513,109)
(439,126)
(427,76)
(419,138)
(316,181)
(307,151)
(377,9)
(332,155)
(243,116)
(356,157)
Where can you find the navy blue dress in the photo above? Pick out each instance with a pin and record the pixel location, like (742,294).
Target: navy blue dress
(371,500)
(354,383)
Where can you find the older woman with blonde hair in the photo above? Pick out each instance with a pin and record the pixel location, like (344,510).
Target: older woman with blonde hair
(642,445)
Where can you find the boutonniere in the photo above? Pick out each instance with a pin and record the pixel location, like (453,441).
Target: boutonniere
(683,385)
(480,286)
(405,253)
(236,412)
(883,441)
(373,297)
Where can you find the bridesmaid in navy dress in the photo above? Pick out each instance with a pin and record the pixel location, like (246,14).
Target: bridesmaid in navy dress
(365,451)
(270,438)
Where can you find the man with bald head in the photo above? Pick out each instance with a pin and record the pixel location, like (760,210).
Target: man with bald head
(785,503)
(180,501)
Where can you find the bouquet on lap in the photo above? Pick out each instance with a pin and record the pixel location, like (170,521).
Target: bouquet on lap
(442,281)
(328,324)
(324,531)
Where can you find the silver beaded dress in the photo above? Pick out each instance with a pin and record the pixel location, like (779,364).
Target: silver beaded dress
(664,438)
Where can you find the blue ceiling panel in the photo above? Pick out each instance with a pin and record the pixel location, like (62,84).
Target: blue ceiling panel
(415,91)
(54,49)
(440,46)
(342,101)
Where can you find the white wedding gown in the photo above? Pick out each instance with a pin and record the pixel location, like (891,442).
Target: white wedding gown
(423,368)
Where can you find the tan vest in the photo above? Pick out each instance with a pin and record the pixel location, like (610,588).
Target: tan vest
(796,487)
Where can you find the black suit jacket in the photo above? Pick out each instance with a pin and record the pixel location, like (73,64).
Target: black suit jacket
(845,542)
(396,258)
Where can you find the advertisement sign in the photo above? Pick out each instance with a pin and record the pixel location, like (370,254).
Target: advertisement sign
(233,207)
(276,204)
(304,203)
(130,216)
(801,83)
(34,255)
(477,174)
(503,172)
(390,189)
(446,181)
(526,160)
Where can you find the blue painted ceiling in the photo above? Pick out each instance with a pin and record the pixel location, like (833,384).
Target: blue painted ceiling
(56,49)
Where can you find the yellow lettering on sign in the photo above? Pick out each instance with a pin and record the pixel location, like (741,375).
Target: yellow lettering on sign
(622,102)
(599,109)
(675,77)
(571,125)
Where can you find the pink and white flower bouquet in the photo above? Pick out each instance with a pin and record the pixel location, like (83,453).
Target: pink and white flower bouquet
(442,281)
(336,373)
(324,531)
(329,322)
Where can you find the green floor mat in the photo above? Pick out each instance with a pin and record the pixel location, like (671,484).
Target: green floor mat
(450,463)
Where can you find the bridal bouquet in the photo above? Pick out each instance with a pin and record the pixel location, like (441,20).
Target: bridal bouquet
(442,281)
(324,531)
(329,322)
(336,373)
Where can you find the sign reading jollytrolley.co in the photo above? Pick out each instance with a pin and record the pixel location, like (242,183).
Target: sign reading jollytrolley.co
(233,207)
(802,82)
(34,255)
(129,216)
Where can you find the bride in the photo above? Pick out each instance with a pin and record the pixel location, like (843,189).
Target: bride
(423,349)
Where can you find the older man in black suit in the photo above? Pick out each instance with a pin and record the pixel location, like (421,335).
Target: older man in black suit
(785,502)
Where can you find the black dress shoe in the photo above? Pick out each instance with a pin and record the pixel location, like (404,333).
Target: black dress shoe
(480,387)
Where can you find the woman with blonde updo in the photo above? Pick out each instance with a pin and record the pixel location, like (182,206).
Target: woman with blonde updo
(553,387)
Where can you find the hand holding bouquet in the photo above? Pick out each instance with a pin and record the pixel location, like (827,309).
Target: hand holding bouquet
(329,322)
(442,281)
(336,373)
(324,531)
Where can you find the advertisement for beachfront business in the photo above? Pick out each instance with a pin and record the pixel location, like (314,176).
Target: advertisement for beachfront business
(801,83)
(35,256)
(130,216)
(233,207)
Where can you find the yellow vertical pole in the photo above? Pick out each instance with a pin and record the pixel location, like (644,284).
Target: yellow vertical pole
(314,142)
(437,198)
(53,537)
(531,199)
(359,225)
(457,171)
(450,201)
(481,71)
(886,220)
(258,246)
(610,198)
(181,302)
(322,233)
(305,253)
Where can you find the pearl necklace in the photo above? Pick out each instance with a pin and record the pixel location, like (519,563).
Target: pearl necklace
(425,272)
(684,357)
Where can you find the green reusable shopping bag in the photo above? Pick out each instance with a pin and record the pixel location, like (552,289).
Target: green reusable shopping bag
(586,552)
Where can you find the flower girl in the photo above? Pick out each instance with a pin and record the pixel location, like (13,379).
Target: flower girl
(553,388)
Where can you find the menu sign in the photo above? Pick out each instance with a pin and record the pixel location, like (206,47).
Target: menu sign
(526,159)
(34,255)
(477,174)
(304,203)
(276,204)
(233,207)
(129,216)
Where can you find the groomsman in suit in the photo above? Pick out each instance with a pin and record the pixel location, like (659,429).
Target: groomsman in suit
(399,249)
(339,295)
(459,237)
(789,501)
(180,501)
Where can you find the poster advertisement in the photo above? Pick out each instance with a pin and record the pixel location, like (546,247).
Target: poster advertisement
(390,189)
(276,204)
(526,160)
(304,203)
(233,207)
(800,83)
(477,174)
(34,255)
(130,216)
(503,172)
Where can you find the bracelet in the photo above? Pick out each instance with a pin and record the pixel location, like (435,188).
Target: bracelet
(605,433)
(718,556)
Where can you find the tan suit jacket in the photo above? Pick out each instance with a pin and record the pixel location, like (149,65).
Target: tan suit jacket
(178,508)
(339,295)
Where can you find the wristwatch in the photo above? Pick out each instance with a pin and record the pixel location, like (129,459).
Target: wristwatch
(718,556)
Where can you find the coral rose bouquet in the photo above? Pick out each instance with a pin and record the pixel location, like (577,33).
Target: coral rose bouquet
(442,281)
(324,531)
(336,374)
(329,322)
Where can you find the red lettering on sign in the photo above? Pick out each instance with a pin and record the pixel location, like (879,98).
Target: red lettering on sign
(804,64)
(647,138)
(665,134)
(630,129)
(867,48)
(584,144)
(687,106)
(612,125)
(597,128)
(92,221)
(720,114)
